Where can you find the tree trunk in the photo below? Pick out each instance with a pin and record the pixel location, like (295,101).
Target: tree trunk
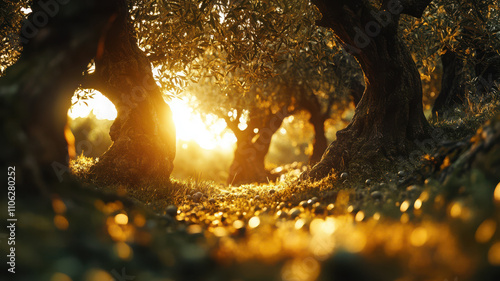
(389,116)
(319,143)
(356,90)
(35,93)
(143,133)
(487,70)
(452,84)
(310,102)
(248,165)
(453,91)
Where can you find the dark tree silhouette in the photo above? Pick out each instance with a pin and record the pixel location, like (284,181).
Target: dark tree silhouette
(35,93)
(474,59)
(389,116)
(452,84)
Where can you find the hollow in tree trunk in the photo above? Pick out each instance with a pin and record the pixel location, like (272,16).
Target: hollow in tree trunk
(389,117)
(143,133)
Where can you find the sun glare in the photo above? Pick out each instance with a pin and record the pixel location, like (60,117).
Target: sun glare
(190,127)
(209,135)
(102,108)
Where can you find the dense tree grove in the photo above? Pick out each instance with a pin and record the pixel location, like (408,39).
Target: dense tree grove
(366,139)
(256,62)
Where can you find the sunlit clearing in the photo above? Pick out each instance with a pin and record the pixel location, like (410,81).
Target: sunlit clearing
(189,125)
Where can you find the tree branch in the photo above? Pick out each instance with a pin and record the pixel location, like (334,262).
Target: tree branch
(232,125)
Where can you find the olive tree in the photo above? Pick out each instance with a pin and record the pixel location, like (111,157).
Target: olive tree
(389,117)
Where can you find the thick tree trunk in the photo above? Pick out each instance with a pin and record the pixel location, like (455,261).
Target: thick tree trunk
(248,165)
(143,133)
(35,93)
(389,116)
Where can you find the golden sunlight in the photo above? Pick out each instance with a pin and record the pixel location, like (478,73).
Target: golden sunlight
(209,134)
(101,106)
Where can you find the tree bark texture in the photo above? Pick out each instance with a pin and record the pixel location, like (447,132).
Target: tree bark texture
(143,133)
(389,117)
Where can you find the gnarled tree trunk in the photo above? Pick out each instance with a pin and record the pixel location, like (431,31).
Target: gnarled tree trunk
(389,116)
(143,133)
(252,146)
(35,93)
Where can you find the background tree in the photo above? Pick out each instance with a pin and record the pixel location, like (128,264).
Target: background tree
(314,77)
(463,36)
(250,42)
(389,117)
(325,79)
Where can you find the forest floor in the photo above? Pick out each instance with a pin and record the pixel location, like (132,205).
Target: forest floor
(439,222)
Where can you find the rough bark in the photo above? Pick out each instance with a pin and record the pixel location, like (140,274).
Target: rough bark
(248,165)
(143,133)
(389,116)
(356,90)
(35,93)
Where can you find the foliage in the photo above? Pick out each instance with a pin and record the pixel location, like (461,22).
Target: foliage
(467,28)
(189,39)
(11,15)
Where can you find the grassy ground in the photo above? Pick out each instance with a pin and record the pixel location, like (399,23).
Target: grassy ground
(439,222)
